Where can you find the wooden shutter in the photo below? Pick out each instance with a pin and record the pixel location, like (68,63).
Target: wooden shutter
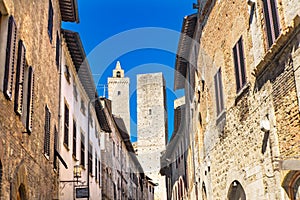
(66,126)
(219,92)
(50,20)
(55,148)
(239,64)
(271,21)
(99,172)
(74,138)
(57,56)
(21,62)
(82,151)
(47,132)
(90,157)
(30,96)
(96,167)
(10,58)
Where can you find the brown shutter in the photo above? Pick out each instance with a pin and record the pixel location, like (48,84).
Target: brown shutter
(66,126)
(242,61)
(271,21)
(47,132)
(21,62)
(217,93)
(30,96)
(74,138)
(10,58)
(55,148)
(50,20)
(221,95)
(57,56)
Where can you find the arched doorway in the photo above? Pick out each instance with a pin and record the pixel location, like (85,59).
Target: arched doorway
(236,191)
(21,195)
(296,189)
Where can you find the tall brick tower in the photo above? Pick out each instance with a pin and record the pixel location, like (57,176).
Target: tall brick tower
(152,127)
(118,93)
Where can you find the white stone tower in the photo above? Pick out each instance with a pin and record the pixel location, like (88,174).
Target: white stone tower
(118,93)
(152,127)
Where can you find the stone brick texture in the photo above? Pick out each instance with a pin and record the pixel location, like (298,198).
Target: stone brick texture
(241,151)
(21,154)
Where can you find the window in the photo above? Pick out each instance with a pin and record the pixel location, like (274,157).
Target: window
(114,151)
(57,55)
(219,92)
(74,138)
(96,167)
(271,21)
(21,62)
(75,93)
(82,151)
(239,65)
(82,108)
(47,132)
(10,58)
(50,20)
(55,148)
(90,159)
(29,100)
(99,172)
(66,126)
(150,111)
(119,93)
(118,74)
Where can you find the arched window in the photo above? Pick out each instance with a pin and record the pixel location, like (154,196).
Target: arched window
(236,191)
(118,74)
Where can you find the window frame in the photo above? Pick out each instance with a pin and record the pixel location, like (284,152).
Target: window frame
(50,21)
(47,133)
(66,125)
(219,92)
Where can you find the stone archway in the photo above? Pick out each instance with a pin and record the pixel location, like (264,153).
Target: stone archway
(236,191)
(20,184)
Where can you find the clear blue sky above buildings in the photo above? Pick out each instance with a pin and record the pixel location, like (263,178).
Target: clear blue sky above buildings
(109,31)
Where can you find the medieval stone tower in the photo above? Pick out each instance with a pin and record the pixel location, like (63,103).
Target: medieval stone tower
(118,93)
(152,127)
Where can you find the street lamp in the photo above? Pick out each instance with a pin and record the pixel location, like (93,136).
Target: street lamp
(76,175)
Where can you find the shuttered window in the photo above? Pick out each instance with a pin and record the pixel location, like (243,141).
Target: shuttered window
(57,56)
(55,148)
(99,172)
(21,62)
(47,132)
(74,138)
(50,20)
(10,58)
(271,21)
(66,126)
(30,96)
(219,92)
(82,151)
(90,153)
(239,65)
(96,167)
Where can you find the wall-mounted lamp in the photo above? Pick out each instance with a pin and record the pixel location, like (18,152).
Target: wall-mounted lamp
(76,175)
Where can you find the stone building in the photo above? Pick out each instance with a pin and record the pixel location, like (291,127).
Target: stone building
(118,93)
(245,97)
(29,84)
(152,128)
(122,174)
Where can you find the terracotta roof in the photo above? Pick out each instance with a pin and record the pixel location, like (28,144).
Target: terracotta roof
(69,10)
(183,51)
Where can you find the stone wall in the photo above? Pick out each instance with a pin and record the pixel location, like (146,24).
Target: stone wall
(23,160)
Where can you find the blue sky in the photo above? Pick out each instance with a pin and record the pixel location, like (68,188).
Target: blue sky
(119,30)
